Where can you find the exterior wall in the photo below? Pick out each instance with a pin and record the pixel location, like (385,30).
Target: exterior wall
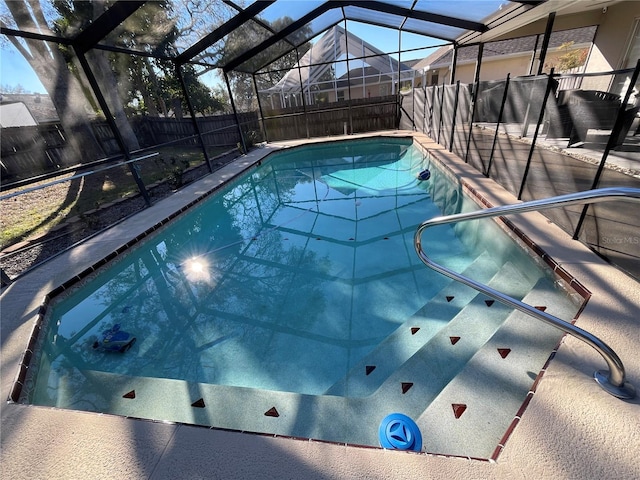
(612,39)
(498,68)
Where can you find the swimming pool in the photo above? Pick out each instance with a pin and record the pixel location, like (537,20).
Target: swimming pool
(291,302)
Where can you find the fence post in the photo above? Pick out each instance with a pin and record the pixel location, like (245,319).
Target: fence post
(535,134)
(500,113)
(617,126)
(440,119)
(424,107)
(433,99)
(474,99)
(453,120)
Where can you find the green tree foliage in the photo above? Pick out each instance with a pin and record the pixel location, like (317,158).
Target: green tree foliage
(51,65)
(570,58)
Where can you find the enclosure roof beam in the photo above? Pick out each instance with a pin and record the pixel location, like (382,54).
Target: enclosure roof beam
(223,30)
(105,24)
(368,4)
(292,27)
(35,36)
(533,3)
(419,15)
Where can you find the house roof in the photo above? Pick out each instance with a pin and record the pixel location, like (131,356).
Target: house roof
(40,106)
(15,115)
(334,46)
(514,46)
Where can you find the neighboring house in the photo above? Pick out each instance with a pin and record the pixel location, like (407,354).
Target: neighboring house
(327,79)
(23,109)
(16,115)
(515,56)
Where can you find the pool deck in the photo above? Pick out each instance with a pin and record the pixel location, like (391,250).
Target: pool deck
(571,429)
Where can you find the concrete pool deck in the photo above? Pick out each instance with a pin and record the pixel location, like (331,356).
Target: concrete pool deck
(571,428)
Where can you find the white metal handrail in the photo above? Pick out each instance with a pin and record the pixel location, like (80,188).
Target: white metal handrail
(612,381)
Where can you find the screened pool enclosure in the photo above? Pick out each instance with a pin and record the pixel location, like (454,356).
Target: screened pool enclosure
(142,97)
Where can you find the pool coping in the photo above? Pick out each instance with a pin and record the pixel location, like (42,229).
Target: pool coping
(20,305)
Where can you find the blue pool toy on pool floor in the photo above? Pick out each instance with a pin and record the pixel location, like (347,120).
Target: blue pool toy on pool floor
(424,175)
(115,340)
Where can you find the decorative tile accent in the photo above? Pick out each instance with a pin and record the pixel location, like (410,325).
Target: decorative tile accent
(454,340)
(369,369)
(458,409)
(504,352)
(489,302)
(542,308)
(449,298)
(414,330)
(406,386)
(272,412)
(131,394)
(198,403)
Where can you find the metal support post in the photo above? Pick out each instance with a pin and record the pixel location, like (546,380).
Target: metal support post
(454,60)
(192,112)
(304,103)
(545,42)
(262,122)
(440,119)
(500,113)
(235,112)
(453,120)
(474,99)
(615,133)
(346,48)
(433,100)
(535,135)
(112,124)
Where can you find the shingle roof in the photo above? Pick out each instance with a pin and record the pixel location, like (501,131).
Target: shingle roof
(40,105)
(517,45)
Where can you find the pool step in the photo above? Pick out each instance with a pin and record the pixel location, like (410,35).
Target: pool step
(422,377)
(397,348)
(472,413)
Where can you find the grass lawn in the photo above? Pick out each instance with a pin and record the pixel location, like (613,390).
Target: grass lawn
(35,213)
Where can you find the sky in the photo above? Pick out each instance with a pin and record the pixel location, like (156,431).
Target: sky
(14,69)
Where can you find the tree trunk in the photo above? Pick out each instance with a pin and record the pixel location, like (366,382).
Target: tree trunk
(64,90)
(99,64)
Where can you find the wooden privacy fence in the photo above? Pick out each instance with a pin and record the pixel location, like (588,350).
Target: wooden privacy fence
(365,115)
(34,150)
(31,151)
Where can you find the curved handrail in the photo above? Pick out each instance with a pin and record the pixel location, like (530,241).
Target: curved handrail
(612,381)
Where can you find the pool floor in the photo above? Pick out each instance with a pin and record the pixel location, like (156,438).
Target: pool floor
(441,365)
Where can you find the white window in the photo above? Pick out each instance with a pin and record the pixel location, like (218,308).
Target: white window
(621,82)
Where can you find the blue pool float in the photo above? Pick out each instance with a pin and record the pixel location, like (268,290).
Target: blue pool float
(424,175)
(399,432)
(115,340)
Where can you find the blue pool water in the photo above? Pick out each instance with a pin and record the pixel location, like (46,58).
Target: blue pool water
(289,279)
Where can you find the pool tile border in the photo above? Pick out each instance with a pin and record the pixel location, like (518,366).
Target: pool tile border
(20,380)
(571,281)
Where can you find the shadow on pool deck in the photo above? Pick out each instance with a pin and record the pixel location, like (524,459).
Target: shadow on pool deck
(571,429)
